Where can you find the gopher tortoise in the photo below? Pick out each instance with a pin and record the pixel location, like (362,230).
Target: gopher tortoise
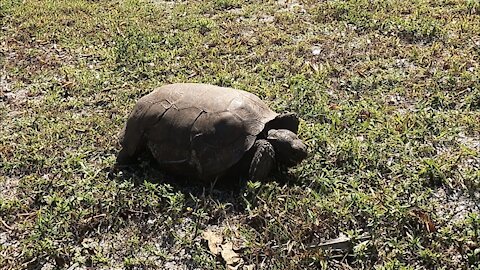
(203,130)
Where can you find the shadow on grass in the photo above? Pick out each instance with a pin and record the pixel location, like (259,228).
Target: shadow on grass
(224,189)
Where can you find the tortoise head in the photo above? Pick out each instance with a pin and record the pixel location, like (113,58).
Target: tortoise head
(289,149)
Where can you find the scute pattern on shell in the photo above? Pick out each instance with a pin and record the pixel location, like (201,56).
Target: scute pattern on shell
(196,129)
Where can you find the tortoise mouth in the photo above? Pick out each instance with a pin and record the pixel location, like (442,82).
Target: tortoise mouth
(296,158)
(290,149)
(296,154)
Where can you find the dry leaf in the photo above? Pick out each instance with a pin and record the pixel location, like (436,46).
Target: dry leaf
(249,267)
(364,115)
(214,241)
(231,267)
(334,106)
(425,218)
(230,257)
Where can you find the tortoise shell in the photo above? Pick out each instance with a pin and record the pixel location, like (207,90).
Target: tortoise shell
(196,129)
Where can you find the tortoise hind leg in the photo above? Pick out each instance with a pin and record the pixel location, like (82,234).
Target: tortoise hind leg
(132,137)
(124,158)
(262,161)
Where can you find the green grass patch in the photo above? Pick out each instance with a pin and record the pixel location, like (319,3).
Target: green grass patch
(388,93)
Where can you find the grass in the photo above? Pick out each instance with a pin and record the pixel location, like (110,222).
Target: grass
(389,94)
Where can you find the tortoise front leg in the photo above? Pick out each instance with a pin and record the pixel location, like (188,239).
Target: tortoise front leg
(124,159)
(262,161)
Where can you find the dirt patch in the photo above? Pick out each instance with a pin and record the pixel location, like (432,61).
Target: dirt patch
(23,61)
(402,104)
(8,187)
(290,5)
(469,141)
(5,85)
(454,206)
(129,247)
(471,162)
(33,57)
(18,97)
(9,247)
(148,245)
